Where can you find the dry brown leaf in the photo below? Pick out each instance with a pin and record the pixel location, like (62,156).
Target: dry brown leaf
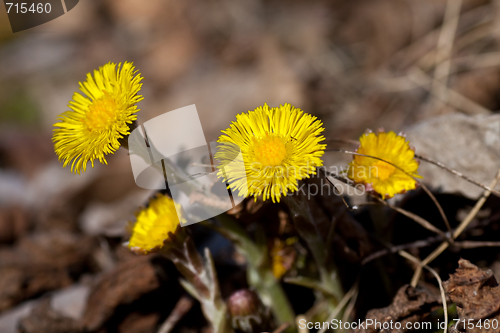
(123,285)
(43,319)
(476,294)
(409,305)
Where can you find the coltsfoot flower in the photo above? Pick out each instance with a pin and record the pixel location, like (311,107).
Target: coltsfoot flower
(98,121)
(279,146)
(155,225)
(379,176)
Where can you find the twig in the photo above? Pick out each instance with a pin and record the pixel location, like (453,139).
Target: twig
(447,95)
(438,205)
(474,245)
(417,78)
(432,240)
(440,282)
(445,44)
(458,174)
(475,61)
(395,248)
(423,222)
(181,308)
(457,232)
(409,54)
(480,26)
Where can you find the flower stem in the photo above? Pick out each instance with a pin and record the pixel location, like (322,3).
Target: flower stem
(259,273)
(308,230)
(201,282)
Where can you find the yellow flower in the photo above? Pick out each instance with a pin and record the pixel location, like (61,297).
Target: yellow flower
(154,225)
(279,146)
(97,122)
(379,176)
(282,256)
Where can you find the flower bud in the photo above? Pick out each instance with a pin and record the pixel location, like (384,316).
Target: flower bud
(247,312)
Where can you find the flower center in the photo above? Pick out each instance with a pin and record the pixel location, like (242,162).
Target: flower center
(269,150)
(382,170)
(101,114)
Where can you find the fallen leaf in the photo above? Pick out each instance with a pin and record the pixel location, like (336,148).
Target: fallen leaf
(409,305)
(476,294)
(123,285)
(43,319)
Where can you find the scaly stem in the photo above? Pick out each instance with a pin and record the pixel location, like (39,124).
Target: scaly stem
(308,230)
(201,282)
(259,273)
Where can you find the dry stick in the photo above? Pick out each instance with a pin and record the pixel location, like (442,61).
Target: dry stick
(424,243)
(343,302)
(469,20)
(440,282)
(446,94)
(434,239)
(476,61)
(458,174)
(441,211)
(476,32)
(445,44)
(474,245)
(395,248)
(417,78)
(423,222)
(180,309)
(456,233)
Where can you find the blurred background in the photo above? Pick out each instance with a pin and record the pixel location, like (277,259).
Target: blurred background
(404,65)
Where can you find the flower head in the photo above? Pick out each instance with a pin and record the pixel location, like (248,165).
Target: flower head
(98,121)
(386,179)
(279,146)
(155,225)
